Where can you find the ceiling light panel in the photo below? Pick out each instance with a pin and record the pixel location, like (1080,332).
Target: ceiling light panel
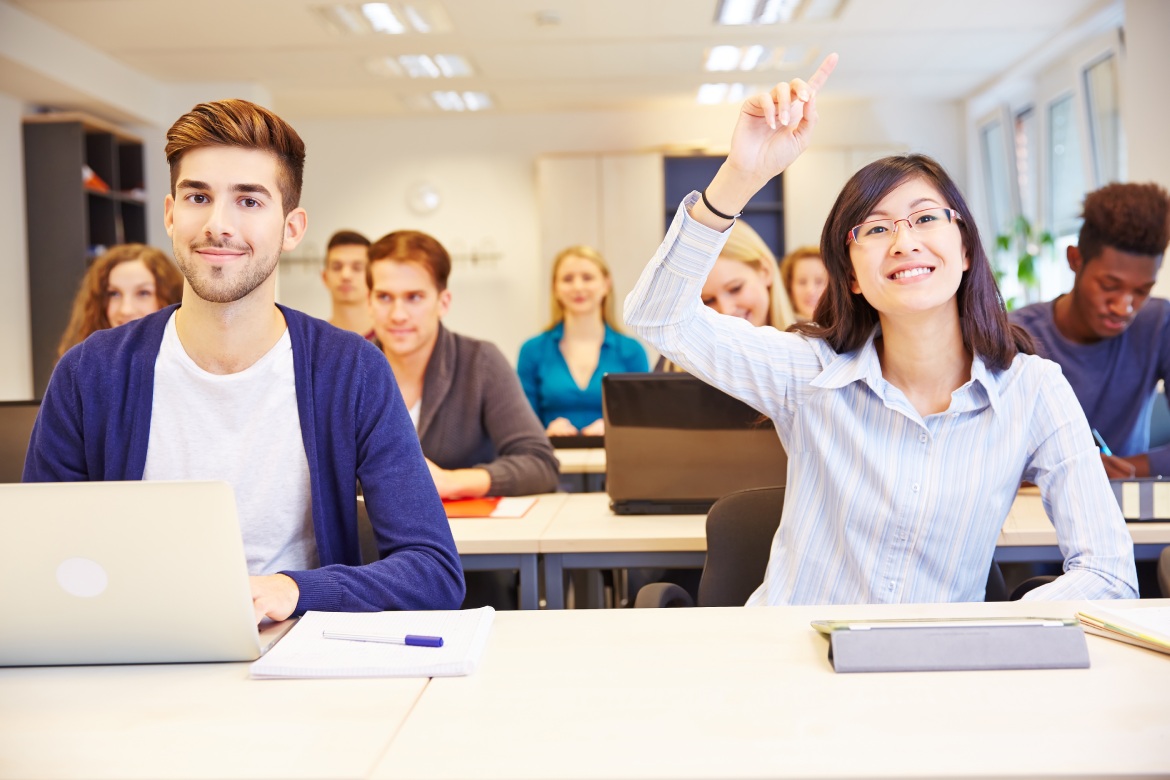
(450,100)
(388,18)
(383,19)
(741,12)
(453,66)
(421,66)
(721,58)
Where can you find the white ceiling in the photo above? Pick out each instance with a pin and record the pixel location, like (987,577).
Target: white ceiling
(604,54)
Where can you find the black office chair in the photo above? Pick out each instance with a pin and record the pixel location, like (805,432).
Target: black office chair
(1164,572)
(740,528)
(16,424)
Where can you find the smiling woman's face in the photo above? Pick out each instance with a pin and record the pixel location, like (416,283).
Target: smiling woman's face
(736,288)
(909,271)
(130,293)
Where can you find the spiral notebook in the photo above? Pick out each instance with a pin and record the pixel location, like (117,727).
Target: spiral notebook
(305,652)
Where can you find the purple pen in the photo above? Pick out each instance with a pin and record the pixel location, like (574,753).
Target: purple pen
(412,640)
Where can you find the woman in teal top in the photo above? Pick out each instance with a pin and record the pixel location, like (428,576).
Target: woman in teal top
(561,369)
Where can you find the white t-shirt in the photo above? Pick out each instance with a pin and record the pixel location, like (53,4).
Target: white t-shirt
(244,429)
(415,412)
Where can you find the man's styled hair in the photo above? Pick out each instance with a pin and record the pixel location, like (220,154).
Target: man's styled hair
(411,246)
(1133,218)
(247,126)
(845,319)
(346,238)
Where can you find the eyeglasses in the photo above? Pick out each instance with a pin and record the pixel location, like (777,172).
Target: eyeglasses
(881,231)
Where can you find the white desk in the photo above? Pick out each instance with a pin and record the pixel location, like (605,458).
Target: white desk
(748,693)
(698,693)
(193,720)
(582,470)
(588,460)
(586,534)
(1028,534)
(488,544)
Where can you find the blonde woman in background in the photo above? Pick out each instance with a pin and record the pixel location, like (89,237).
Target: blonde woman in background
(805,279)
(745,282)
(561,369)
(129,281)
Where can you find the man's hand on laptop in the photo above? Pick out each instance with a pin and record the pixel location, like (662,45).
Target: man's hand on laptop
(274,596)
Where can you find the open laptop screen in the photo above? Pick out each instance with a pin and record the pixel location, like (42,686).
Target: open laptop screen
(674,444)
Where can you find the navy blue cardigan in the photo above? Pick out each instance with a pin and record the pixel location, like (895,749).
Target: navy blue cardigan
(94,424)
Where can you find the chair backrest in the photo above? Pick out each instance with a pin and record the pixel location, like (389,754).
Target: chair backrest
(1160,421)
(1164,572)
(740,527)
(16,424)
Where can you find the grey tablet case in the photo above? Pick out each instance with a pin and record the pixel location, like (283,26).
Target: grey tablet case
(926,648)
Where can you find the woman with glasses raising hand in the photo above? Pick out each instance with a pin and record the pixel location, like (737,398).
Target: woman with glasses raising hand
(909,407)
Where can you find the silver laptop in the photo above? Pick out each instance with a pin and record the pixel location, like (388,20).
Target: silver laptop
(674,444)
(123,572)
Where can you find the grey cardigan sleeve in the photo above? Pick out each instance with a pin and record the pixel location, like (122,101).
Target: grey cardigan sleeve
(526,463)
(480,418)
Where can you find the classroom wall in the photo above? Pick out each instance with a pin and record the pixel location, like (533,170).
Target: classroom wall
(1144,110)
(15,357)
(359,173)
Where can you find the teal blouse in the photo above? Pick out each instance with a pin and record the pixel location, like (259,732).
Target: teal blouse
(550,388)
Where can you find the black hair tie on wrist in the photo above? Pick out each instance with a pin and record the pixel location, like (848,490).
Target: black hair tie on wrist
(716,211)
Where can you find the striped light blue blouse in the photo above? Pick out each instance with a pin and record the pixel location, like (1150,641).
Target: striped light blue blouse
(884,506)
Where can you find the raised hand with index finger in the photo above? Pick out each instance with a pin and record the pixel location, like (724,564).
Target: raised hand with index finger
(773,129)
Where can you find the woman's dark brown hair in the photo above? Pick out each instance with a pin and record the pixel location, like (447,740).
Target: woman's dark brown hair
(845,319)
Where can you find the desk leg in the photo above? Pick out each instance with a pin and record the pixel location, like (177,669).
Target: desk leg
(554,581)
(529,583)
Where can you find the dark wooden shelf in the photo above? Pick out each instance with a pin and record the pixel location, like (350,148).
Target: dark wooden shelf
(66,220)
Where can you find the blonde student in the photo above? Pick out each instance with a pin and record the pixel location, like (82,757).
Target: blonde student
(561,369)
(744,282)
(911,410)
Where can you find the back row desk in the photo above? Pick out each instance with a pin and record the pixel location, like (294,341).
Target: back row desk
(683,693)
(580,531)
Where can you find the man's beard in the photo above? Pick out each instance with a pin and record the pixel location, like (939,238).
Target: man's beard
(215,285)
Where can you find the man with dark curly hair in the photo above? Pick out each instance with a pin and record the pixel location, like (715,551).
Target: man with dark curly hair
(1112,339)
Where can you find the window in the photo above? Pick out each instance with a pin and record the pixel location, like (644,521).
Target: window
(1066,178)
(1105,135)
(1027,138)
(997,176)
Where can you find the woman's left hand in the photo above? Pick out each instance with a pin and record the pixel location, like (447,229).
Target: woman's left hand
(595,428)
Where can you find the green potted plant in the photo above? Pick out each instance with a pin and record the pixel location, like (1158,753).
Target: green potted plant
(1019,250)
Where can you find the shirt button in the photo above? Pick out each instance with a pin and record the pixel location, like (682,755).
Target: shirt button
(915,488)
(922,437)
(954,414)
(889,586)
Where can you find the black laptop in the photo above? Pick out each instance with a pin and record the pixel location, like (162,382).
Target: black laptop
(577,441)
(674,444)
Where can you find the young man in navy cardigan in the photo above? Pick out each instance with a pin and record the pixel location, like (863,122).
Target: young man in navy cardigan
(231,386)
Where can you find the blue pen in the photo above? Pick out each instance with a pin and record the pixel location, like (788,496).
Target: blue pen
(1104,447)
(413,640)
